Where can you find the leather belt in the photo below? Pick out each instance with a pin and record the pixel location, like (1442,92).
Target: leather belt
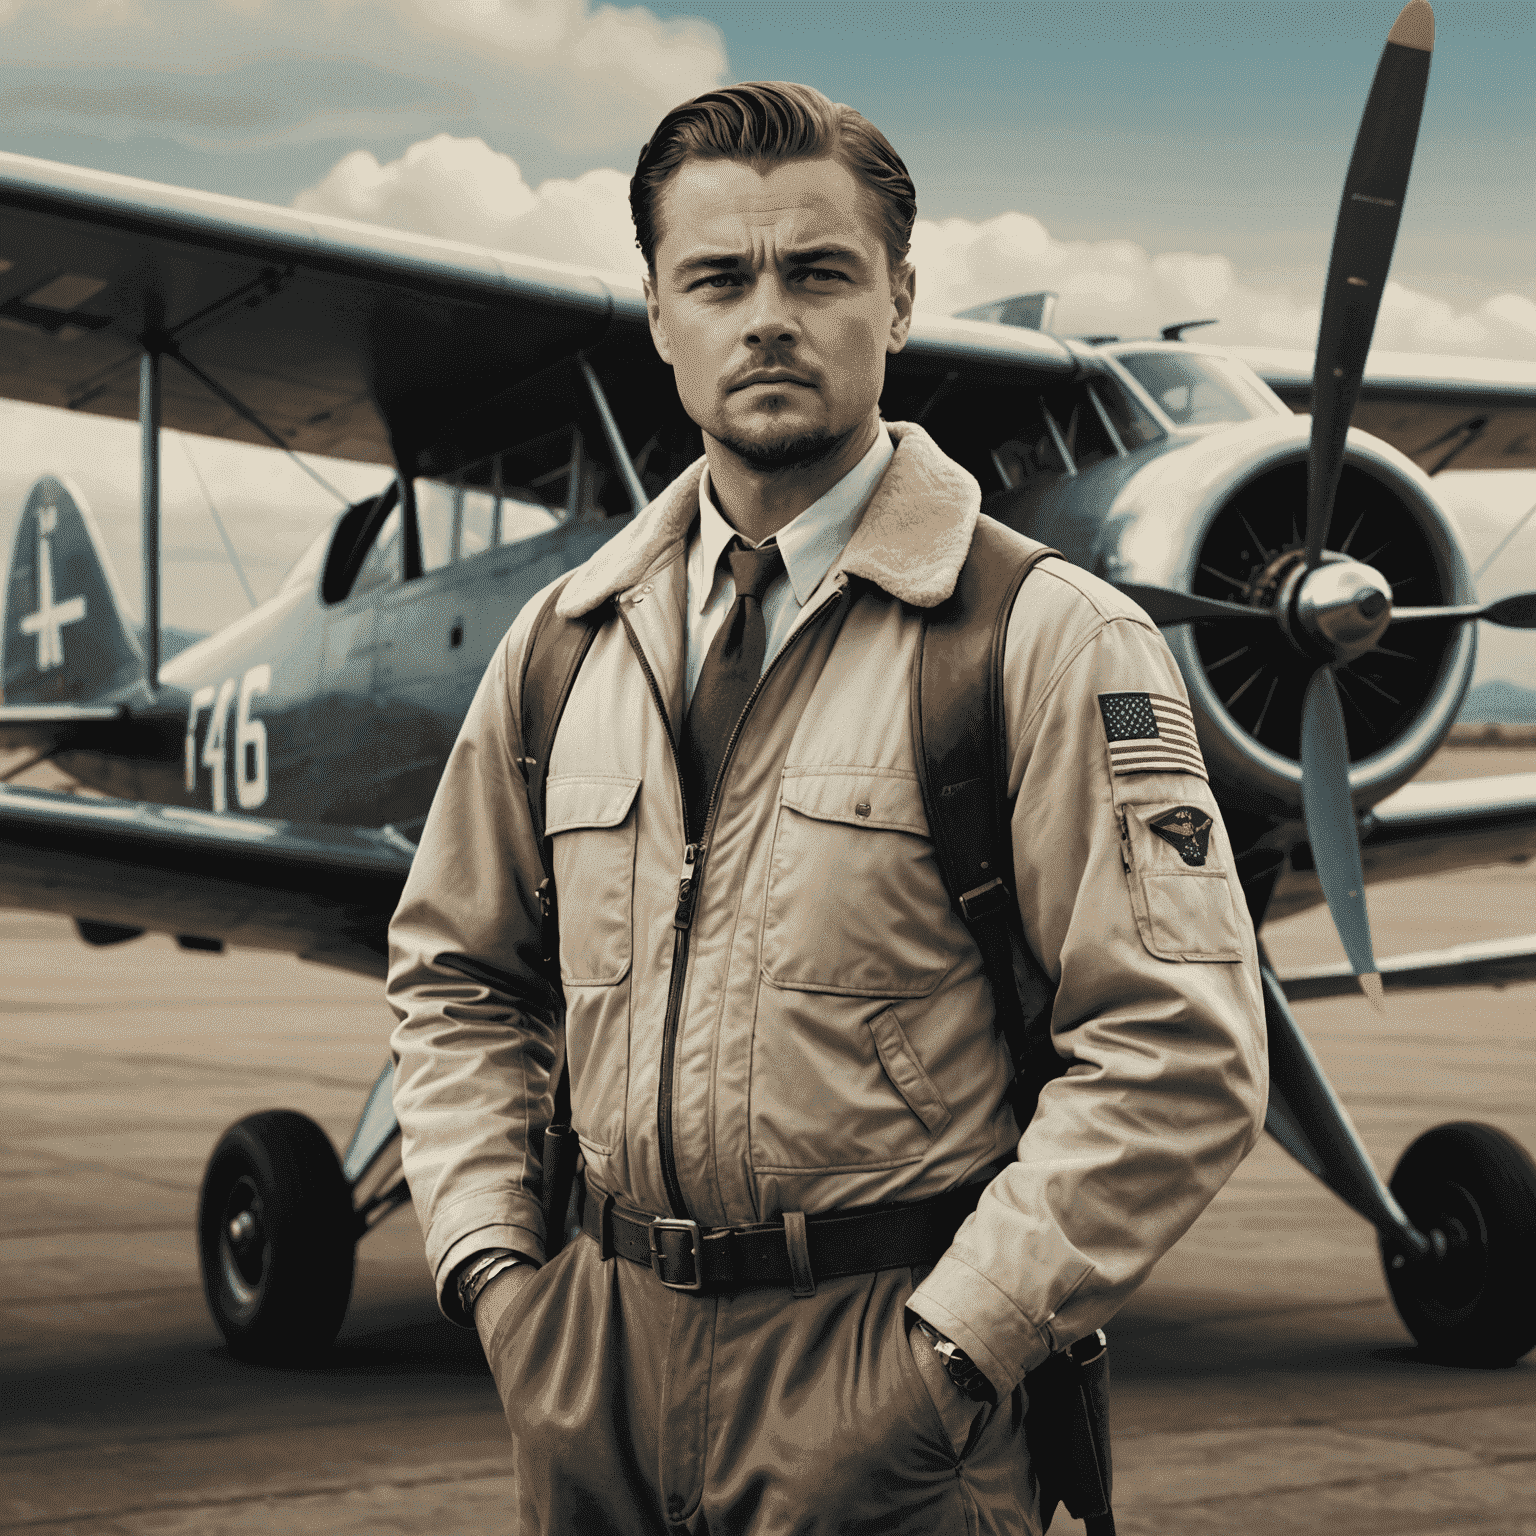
(794,1251)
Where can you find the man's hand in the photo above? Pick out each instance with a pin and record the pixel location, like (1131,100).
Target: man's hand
(498,1298)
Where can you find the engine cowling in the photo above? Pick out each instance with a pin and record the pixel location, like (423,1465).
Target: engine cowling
(1223,517)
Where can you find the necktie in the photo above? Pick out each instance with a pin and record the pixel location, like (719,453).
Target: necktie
(731,669)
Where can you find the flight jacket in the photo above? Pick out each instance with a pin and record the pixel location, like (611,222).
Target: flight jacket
(820,1035)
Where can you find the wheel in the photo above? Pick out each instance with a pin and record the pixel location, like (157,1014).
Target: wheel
(276,1237)
(1472,1190)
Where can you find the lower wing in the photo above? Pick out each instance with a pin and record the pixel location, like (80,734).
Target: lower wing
(322,893)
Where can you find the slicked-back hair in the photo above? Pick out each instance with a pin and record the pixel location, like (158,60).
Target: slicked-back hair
(762,123)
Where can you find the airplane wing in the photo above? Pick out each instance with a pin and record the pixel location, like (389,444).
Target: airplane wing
(1426,828)
(323,893)
(341,338)
(1443,412)
(1494,963)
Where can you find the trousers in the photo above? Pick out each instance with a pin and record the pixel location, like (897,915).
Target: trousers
(636,1410)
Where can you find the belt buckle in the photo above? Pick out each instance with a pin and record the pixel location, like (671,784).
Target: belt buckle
(658,1258)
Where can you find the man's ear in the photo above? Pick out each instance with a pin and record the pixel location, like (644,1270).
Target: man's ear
(903,296)
(653,314)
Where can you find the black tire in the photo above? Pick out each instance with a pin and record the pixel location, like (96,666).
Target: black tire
(276,1235)
(1474,1303)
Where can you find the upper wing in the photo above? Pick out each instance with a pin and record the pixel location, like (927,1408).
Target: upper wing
(323,893)
(1425,828)
(1443,412)
(343,338)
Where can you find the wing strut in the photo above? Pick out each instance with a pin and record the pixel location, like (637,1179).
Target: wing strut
(637,496)
(149,505)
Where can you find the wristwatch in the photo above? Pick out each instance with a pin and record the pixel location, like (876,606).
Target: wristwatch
(958,1365)
(478,1271)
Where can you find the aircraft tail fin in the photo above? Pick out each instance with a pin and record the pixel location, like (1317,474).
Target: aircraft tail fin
(65,639)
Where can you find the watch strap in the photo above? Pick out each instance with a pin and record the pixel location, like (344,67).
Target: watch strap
(958,1365)
(478,1273)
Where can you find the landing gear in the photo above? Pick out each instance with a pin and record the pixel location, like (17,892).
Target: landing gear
(276,1236)
(1472,1190)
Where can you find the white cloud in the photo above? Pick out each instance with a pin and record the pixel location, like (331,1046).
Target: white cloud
(640,64)
(1116,286)
(462,189)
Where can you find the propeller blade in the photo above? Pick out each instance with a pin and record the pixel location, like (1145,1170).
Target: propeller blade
(1165,606)
(1363,239)
(1331,826)
(1515,612)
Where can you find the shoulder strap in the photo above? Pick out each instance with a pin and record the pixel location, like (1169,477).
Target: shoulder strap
(555,653)
(958,717)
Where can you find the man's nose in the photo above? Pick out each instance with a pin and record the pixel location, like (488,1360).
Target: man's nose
(770,321)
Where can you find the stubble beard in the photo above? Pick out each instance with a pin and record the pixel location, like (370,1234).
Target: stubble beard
(801,451)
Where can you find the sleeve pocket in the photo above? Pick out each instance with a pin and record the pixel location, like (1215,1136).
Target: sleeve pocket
(1182,913)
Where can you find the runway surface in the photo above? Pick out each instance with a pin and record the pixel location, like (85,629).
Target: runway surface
(1263,1383)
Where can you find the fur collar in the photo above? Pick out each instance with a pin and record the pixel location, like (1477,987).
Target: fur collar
(911,541)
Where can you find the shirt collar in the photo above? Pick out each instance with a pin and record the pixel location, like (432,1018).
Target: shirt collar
(811,542)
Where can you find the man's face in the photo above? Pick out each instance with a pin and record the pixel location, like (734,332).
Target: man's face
(774,303)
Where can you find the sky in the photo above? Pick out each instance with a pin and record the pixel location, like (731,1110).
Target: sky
(1152,162)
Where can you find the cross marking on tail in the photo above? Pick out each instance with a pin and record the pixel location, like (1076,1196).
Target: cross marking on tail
(51,617)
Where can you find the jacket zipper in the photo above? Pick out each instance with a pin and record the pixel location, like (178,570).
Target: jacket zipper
(688,894)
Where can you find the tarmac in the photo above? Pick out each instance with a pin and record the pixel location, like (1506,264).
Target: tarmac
(1262,1381)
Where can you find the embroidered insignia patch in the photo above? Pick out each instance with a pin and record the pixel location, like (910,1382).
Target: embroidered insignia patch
(1150,733)
(1186,828)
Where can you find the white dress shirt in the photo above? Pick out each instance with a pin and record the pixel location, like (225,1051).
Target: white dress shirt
(810,544)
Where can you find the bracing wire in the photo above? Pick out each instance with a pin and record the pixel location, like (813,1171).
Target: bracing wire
(1504,543)
(242,410)
(218,522)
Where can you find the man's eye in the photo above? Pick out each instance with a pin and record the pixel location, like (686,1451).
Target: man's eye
(720,280)
(826,275)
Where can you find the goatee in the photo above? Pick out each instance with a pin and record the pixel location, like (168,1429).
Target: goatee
(800,452)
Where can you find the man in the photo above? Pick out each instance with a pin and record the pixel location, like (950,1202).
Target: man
(771,1011)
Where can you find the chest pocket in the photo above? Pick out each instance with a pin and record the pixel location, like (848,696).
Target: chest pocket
(1177,863)
(591,820)
(855,904)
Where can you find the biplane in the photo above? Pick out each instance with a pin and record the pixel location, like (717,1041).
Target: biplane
(265,786)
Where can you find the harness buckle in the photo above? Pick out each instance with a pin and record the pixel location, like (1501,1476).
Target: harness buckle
(984,900)
(662,1256)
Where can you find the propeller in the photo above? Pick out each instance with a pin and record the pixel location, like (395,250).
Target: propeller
(1332,608)
(1346,606)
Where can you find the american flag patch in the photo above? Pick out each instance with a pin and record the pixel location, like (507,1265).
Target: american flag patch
(1150,733)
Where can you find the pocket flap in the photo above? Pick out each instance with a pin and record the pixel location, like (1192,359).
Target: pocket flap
(574,800)
(906,1072)
(861,797)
